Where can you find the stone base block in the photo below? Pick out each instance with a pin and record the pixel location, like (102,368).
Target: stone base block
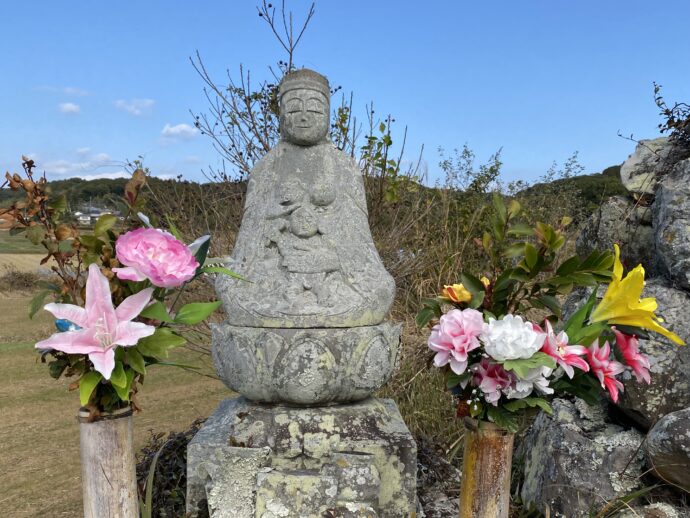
(306,366)
(252,460)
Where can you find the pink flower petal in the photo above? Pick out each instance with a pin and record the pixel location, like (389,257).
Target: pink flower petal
(71,342)
(103,362)
(99,302)
(75,314)
(129,274)
(129,333)
(133,305)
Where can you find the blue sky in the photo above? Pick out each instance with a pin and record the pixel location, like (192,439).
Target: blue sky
(88,85)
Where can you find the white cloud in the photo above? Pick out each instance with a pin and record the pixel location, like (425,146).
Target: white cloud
(135,107)
(98,176)
(179,131)
(191,159)
(69,108)
(79,168)
(71,90)
(82,151)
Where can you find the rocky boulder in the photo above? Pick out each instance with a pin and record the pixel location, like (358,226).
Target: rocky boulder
(575,460)
(619,220)
(671,215)
(656,510)
(670,364)
(668,448)
(639,173)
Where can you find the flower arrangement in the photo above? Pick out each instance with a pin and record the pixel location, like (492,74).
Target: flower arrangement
(502,340)
(116,305)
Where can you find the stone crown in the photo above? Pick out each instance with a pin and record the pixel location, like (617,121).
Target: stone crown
(305,78)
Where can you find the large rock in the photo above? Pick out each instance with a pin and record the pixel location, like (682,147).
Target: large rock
(251,460)
(639,173)
(671,211)
(620,221)
(575,461)
(656,510)
(668,448)
(669,363)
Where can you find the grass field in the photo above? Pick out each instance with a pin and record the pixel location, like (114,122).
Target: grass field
(39,451)
(18,244)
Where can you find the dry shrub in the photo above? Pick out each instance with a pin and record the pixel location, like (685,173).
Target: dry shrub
(12,279)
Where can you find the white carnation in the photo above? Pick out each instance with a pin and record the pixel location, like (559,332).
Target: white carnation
(511,338)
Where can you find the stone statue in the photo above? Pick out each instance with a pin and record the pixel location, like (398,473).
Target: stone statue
(306,333)
(304,243)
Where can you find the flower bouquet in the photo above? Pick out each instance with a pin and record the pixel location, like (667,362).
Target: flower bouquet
(117,313)
(505,347)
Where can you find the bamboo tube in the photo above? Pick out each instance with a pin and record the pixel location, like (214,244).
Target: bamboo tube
(485,490)
(108,468)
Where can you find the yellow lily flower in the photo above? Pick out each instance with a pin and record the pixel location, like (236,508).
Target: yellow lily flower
(456,293)
(485,282)
(622,304)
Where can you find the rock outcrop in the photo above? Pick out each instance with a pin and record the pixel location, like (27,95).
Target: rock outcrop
(668,448)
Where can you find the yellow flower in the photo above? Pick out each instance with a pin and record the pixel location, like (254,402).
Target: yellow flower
(622,304)
(485,282)
(456,293)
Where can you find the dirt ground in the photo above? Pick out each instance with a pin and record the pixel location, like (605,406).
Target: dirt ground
(39,451)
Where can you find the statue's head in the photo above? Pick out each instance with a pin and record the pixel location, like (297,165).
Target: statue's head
(304,107)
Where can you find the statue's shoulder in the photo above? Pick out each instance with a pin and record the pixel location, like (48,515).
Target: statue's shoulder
(266,162)
(345,162)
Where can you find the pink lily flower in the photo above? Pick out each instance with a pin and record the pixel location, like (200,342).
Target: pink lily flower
(567,356)
(492,379)
(638,362)
(102,326)
(605,369)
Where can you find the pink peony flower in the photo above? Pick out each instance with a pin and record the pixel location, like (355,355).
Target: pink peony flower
(102,326)
(605,369)
(492,379)
(151,253)
(456,334)
(567,356)
(638,362)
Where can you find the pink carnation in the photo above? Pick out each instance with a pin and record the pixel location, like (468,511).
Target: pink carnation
(456,334)
(151,253)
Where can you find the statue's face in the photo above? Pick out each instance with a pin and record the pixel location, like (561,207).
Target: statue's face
(304,116)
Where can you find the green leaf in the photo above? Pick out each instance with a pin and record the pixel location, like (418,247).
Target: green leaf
(221,269)
(156,311)
(35,234)
(472,284)
(59,204)
(202,252)
(57,367)
(173,229)
(126,388)
(37,302)
(87,384)
(551,303)
(531,402)
(424,316)
(522,366)
(136,360)
(454,380)
(514,250)
(195,312)
(502,418)
(500,207)
(520,229)
(65,246)
(531,255)
(568,266)
(15,231)
(104,223)
(118,378)
(577,320)
(159,342)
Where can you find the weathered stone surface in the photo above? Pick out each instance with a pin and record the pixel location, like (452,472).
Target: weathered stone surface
(668,448)
(305,242)
(639,173)
(620,221)
(356,458)
(669,363)
(305,366)
(671,210)
(575,460)
(657,510)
